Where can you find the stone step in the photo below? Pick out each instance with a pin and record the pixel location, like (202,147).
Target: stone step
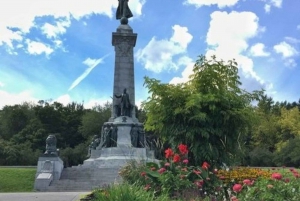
(80,178)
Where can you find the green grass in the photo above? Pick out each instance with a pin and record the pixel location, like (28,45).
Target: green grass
(17,179)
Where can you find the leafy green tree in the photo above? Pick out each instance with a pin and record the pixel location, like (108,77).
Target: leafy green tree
(210,112)
(93,120)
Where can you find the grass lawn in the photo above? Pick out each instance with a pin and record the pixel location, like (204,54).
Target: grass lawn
(17,179)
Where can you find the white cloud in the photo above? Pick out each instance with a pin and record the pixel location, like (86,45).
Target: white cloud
(36,48)
(219,3)
(272,3)
(158,55)
(298,26)
(267,8)
(93,102)
(228,37)
(52,31)
(290,63)
(285,49)
(276,3)
(13,99)
(21,15)
(91,63)
(64,99)
(231,30)
(291,40)
(188,62)
(1,84)
(257,50)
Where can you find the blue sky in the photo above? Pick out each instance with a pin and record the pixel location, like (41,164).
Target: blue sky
(61,50)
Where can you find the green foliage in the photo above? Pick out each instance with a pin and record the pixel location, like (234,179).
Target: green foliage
(288,155)
(25,127)
(261,157)
(93,120)
(210,113)
(125,192)
(74,156)
(17,179)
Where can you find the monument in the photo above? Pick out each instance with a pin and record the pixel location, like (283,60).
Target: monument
(49,167)
(123,136)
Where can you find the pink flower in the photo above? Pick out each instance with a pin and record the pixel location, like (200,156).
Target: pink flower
(161,170)
(167,164)
(237,188)
(143,174)
(276,176)
(247,182)
(185,161)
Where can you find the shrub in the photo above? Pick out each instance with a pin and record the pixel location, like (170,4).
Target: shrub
(261,157)
(174,177)
(289,155)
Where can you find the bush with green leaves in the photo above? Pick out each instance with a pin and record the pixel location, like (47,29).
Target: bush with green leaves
(175,177)
(288,155)
(261,157)
(210,113)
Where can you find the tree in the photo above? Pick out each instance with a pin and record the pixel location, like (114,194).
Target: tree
(93,120)
(210,112)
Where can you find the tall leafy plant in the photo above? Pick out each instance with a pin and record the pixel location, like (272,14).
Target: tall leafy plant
(210,112)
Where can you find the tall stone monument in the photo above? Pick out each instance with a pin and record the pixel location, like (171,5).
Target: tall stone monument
(123,136)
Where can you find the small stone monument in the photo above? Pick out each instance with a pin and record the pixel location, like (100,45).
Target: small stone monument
(49,166)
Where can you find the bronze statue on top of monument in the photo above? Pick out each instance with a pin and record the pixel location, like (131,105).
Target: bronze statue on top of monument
(123,11)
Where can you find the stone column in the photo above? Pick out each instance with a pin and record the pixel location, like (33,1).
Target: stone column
(124,41)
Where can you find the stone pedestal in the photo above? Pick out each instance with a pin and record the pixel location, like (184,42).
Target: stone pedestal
(124,152)
(49,168)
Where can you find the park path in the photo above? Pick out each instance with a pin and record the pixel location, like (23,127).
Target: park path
(42,196)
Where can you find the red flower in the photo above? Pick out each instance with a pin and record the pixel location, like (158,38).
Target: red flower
(161,170)
(168,153)
(205,165)
(287,180)
(276,176)
(185,161)
(183,149)
(143,174)
(197,172)
(176,158)
(152,168)
(237,188)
